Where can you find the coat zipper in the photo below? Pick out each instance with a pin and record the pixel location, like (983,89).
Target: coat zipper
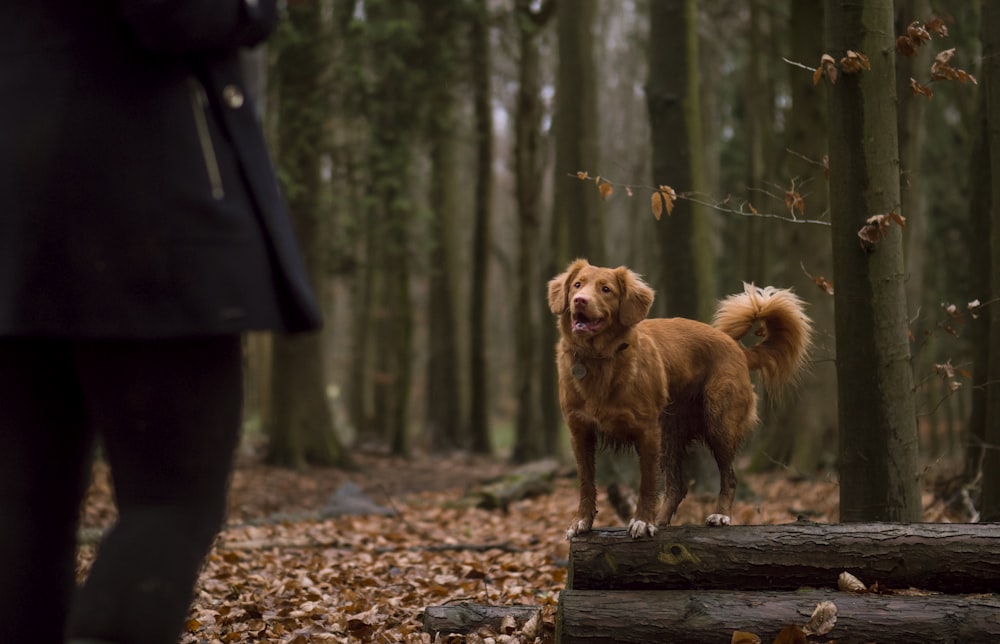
(199,105)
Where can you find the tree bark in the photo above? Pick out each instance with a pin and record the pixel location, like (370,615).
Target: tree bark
(466,617)
(991,85)
(679,617)
(300,424)
(528,163)
(445,385)
(684,277)
(879,473)
(939,557)
(479,400)
(804,423)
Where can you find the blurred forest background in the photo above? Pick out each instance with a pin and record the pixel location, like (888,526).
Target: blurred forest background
(430,152)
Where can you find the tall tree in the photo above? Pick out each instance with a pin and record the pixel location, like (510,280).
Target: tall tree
(481,70)
(442,24)
(684,279)
(577,129)
(397,81)
(879,476)
(991,85)
(300,425)
(806,418)
(528,165)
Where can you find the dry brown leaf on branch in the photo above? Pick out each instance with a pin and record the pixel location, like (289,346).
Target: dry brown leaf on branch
(877,227)
(854,62)
(744,637)
(828,66)
(794,203)
(606,189)
(582,175)
(941,69)
(824,284)
(936,26)
(663,199)
(922,90)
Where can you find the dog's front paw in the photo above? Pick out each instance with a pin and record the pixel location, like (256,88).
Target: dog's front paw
(578,527)
(637,529)
(717,520)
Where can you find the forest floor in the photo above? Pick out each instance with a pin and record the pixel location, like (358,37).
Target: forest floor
(291,567)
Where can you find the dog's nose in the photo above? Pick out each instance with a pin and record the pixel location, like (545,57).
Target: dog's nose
(579,301)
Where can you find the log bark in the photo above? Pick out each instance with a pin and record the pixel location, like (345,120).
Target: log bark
(958,558)
(466,617)
(599,616)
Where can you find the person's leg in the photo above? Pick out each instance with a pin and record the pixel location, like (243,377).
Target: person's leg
(169,416)
(44,469)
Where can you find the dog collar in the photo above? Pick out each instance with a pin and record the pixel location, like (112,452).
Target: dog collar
(579,370)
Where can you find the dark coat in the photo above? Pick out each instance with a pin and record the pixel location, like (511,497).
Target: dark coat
(137,198)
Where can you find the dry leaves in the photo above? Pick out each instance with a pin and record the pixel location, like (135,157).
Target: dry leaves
(877,227)
(279,574)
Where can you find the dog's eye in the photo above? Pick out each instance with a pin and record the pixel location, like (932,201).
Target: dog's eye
(606,289)
(576,285)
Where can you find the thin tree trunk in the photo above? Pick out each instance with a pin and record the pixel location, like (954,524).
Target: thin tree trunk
(528,155)
(479,400)
(879,475)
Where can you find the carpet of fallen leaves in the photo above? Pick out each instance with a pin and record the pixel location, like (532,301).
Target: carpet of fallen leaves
(282,570)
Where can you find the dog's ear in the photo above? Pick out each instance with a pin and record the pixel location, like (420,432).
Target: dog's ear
(559,287)
(636,297)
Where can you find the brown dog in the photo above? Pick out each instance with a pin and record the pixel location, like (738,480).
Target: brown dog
(660,384)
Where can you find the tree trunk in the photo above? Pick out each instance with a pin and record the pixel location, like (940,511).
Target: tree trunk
(394,109)
(479,400)
(467,618)
(300,426)
(804,422)
(879,474)
(681,617)
(445,384)
(977,238)
(991,85)
(684,276)
(960,558)
(528,164)
(577,128)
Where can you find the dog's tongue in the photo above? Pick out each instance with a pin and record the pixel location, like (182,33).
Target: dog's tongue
(582,324)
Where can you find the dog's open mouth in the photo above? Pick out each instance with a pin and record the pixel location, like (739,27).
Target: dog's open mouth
(583,324)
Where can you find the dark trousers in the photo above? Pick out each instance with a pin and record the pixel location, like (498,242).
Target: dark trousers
(168,415)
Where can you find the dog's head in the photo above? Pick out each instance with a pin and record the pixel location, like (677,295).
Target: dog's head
(594,299)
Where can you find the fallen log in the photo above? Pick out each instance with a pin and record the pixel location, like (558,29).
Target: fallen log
(465,617)
(960,558)
(627,616)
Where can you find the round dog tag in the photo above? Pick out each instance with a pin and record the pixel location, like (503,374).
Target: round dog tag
(578,370)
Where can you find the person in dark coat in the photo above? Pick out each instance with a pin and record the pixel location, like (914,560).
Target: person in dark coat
(141,233)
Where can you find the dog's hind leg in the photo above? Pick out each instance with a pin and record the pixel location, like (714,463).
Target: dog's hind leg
(729,418)
(671,462)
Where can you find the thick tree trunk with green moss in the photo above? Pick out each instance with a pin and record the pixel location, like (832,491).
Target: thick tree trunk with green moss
(445,385)
(879,473)
(300,425)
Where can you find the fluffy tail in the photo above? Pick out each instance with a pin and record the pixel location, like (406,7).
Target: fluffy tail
(785,328)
